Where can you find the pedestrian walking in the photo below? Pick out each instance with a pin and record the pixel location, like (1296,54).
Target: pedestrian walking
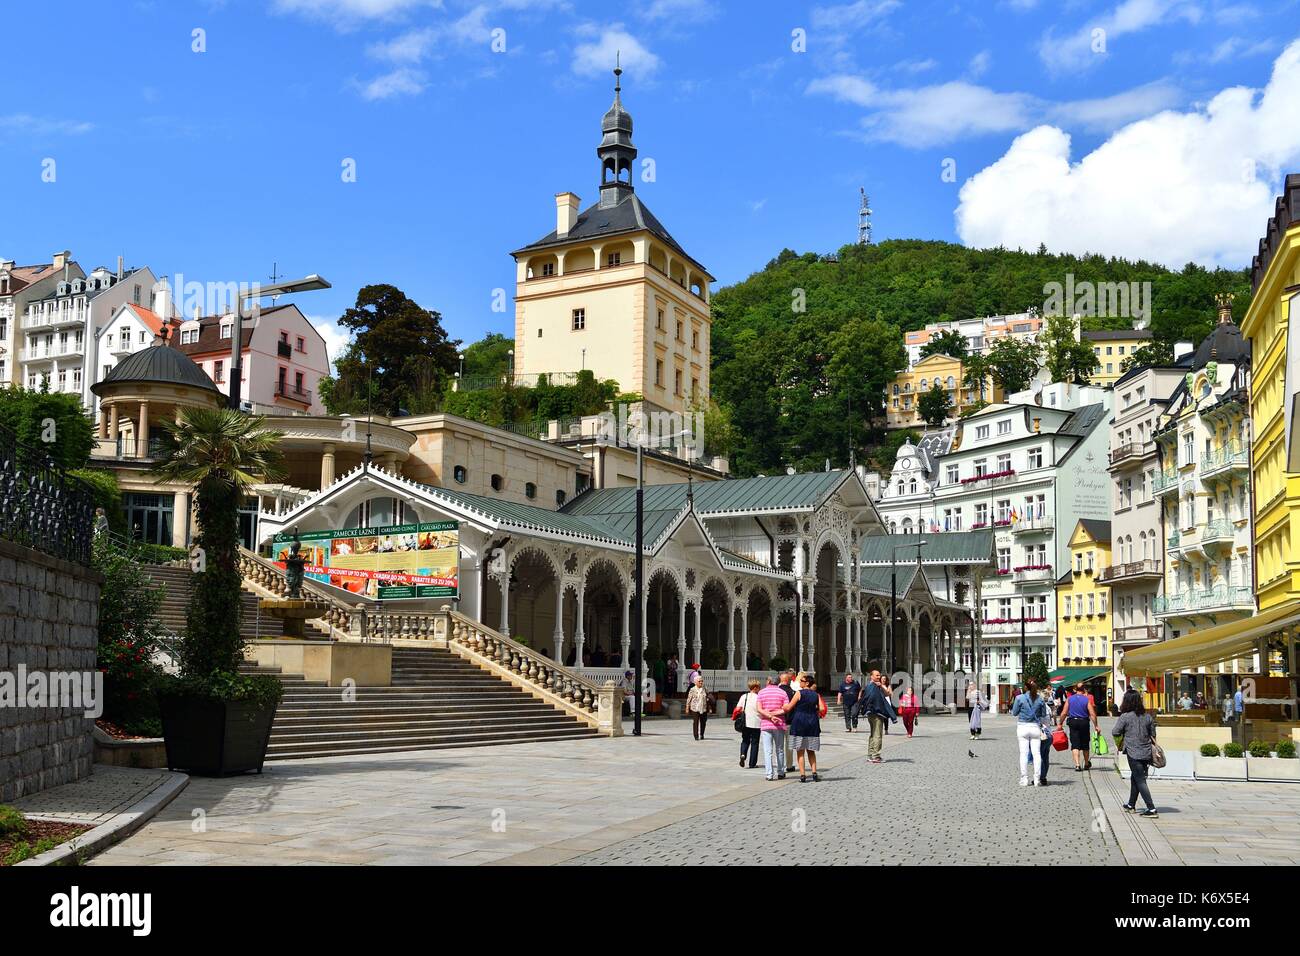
(977,704)
(1081,720)
(1139,730)
(1227,709)
(749,723)
(804,709)
(698,704)
(670,675)
(771,711)
(1029,709)
(1051,722)
(789,683)
(876,705)
(909,708)
(847,697)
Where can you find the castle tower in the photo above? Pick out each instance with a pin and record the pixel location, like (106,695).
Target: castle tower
(610,289)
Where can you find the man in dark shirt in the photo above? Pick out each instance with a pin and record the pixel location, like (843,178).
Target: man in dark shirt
(786,677)
(847,696)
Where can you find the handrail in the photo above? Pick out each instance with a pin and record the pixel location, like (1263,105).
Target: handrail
(579,695)
(265,575)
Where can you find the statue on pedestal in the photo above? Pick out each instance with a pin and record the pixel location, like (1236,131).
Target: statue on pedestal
(293,565)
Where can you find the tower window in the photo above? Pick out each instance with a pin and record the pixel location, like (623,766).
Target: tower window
(614,259)
(559,498)
(659,321)
(539,333)
(530,490)
(497,482)
(679,331)
(695,339)
(579,319)
(459,474)
(677,382)
(548,268)
(659,373)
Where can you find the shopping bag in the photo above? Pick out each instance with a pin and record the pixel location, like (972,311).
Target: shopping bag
(1099,745)
(1059,739)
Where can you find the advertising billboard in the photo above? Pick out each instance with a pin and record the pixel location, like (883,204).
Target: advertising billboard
(390,563)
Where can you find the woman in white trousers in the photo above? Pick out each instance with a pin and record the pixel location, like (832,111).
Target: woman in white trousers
(1030,711)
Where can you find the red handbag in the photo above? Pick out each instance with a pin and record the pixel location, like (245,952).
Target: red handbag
(1059,740)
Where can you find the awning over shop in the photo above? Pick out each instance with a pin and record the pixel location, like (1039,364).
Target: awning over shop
(1213,645)
(1070,676)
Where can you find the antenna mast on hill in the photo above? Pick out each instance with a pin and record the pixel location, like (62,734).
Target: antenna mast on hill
(864,219)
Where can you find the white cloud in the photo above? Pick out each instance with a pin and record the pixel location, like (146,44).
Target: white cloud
(681,11)
(945,112)
(403,81)
(1109,112)
(336,339)
(1172,188)
(915,66)
(851,17)
(596,56)
(1236,48)
(928,115)
(979,64)
(28,125)
(349,13)
(1078,51)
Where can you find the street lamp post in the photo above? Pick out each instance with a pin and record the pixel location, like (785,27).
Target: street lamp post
(308,284)
(893,592)
(638,654)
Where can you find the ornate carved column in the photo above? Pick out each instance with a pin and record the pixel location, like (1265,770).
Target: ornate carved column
(504,581)
(580,631)
(327,465)
(697,637)
(557,635)
(627,633)
(681,632)
(744,637)
(731,638)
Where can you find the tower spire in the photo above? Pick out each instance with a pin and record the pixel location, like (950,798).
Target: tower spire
(616,151)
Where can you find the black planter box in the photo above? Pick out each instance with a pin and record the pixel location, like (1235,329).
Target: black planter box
(214,738)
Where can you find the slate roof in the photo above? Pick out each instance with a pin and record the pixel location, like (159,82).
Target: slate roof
(877,579)
(1115,335)
(158,363)
(210,339)
(948,547)
(596,221)
(774,493)
(1097,529)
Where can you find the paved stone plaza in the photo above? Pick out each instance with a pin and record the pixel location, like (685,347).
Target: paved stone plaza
(668,799)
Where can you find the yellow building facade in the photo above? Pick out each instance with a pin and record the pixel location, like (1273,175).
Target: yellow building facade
(1275,278)
(903,394)
(1083,623)
(1111,349)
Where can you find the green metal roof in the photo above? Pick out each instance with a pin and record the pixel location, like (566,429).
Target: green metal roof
(944,547)
(877,579)
(773,493)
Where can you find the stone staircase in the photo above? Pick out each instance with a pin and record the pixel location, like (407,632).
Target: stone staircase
(437,701)
(175,582)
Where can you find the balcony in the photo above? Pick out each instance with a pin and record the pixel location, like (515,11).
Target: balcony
(1035,524)
(990,480)
(1218,532)
(1133,570)
(1034,574)
(1205,601)
(1173,542)
(1141,634)
(292,393)
(1226,461)
(1164,483)
(1134,450)
(72,350)
(53,319)
(284,350)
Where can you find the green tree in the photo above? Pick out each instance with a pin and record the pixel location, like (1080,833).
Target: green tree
(1036,670)
(489,357)
(1066,358)
(128,633)
(975,373)
(1154,353)
(220,453)
(935,406)
(951,343)
(54,422)
(884,455)
(400,357)
(1013,363)
(106,492)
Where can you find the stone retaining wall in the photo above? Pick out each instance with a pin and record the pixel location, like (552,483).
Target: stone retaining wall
(49,616)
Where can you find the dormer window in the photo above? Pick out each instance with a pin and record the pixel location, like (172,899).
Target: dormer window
(226,328)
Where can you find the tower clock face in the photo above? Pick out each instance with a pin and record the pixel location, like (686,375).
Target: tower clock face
(905,464)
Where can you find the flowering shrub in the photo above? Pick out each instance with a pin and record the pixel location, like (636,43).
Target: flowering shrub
(992,474)
(128,629)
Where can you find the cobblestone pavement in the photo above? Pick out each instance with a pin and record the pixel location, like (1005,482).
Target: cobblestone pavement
(929,802)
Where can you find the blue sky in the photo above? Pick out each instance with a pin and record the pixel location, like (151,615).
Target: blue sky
(1165,134)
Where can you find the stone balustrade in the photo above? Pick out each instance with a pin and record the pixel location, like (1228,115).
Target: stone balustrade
(600,706)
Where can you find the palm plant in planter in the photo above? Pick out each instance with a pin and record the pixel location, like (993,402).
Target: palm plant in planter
(217,721)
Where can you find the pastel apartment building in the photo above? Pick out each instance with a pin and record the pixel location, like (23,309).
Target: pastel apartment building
(283,357)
